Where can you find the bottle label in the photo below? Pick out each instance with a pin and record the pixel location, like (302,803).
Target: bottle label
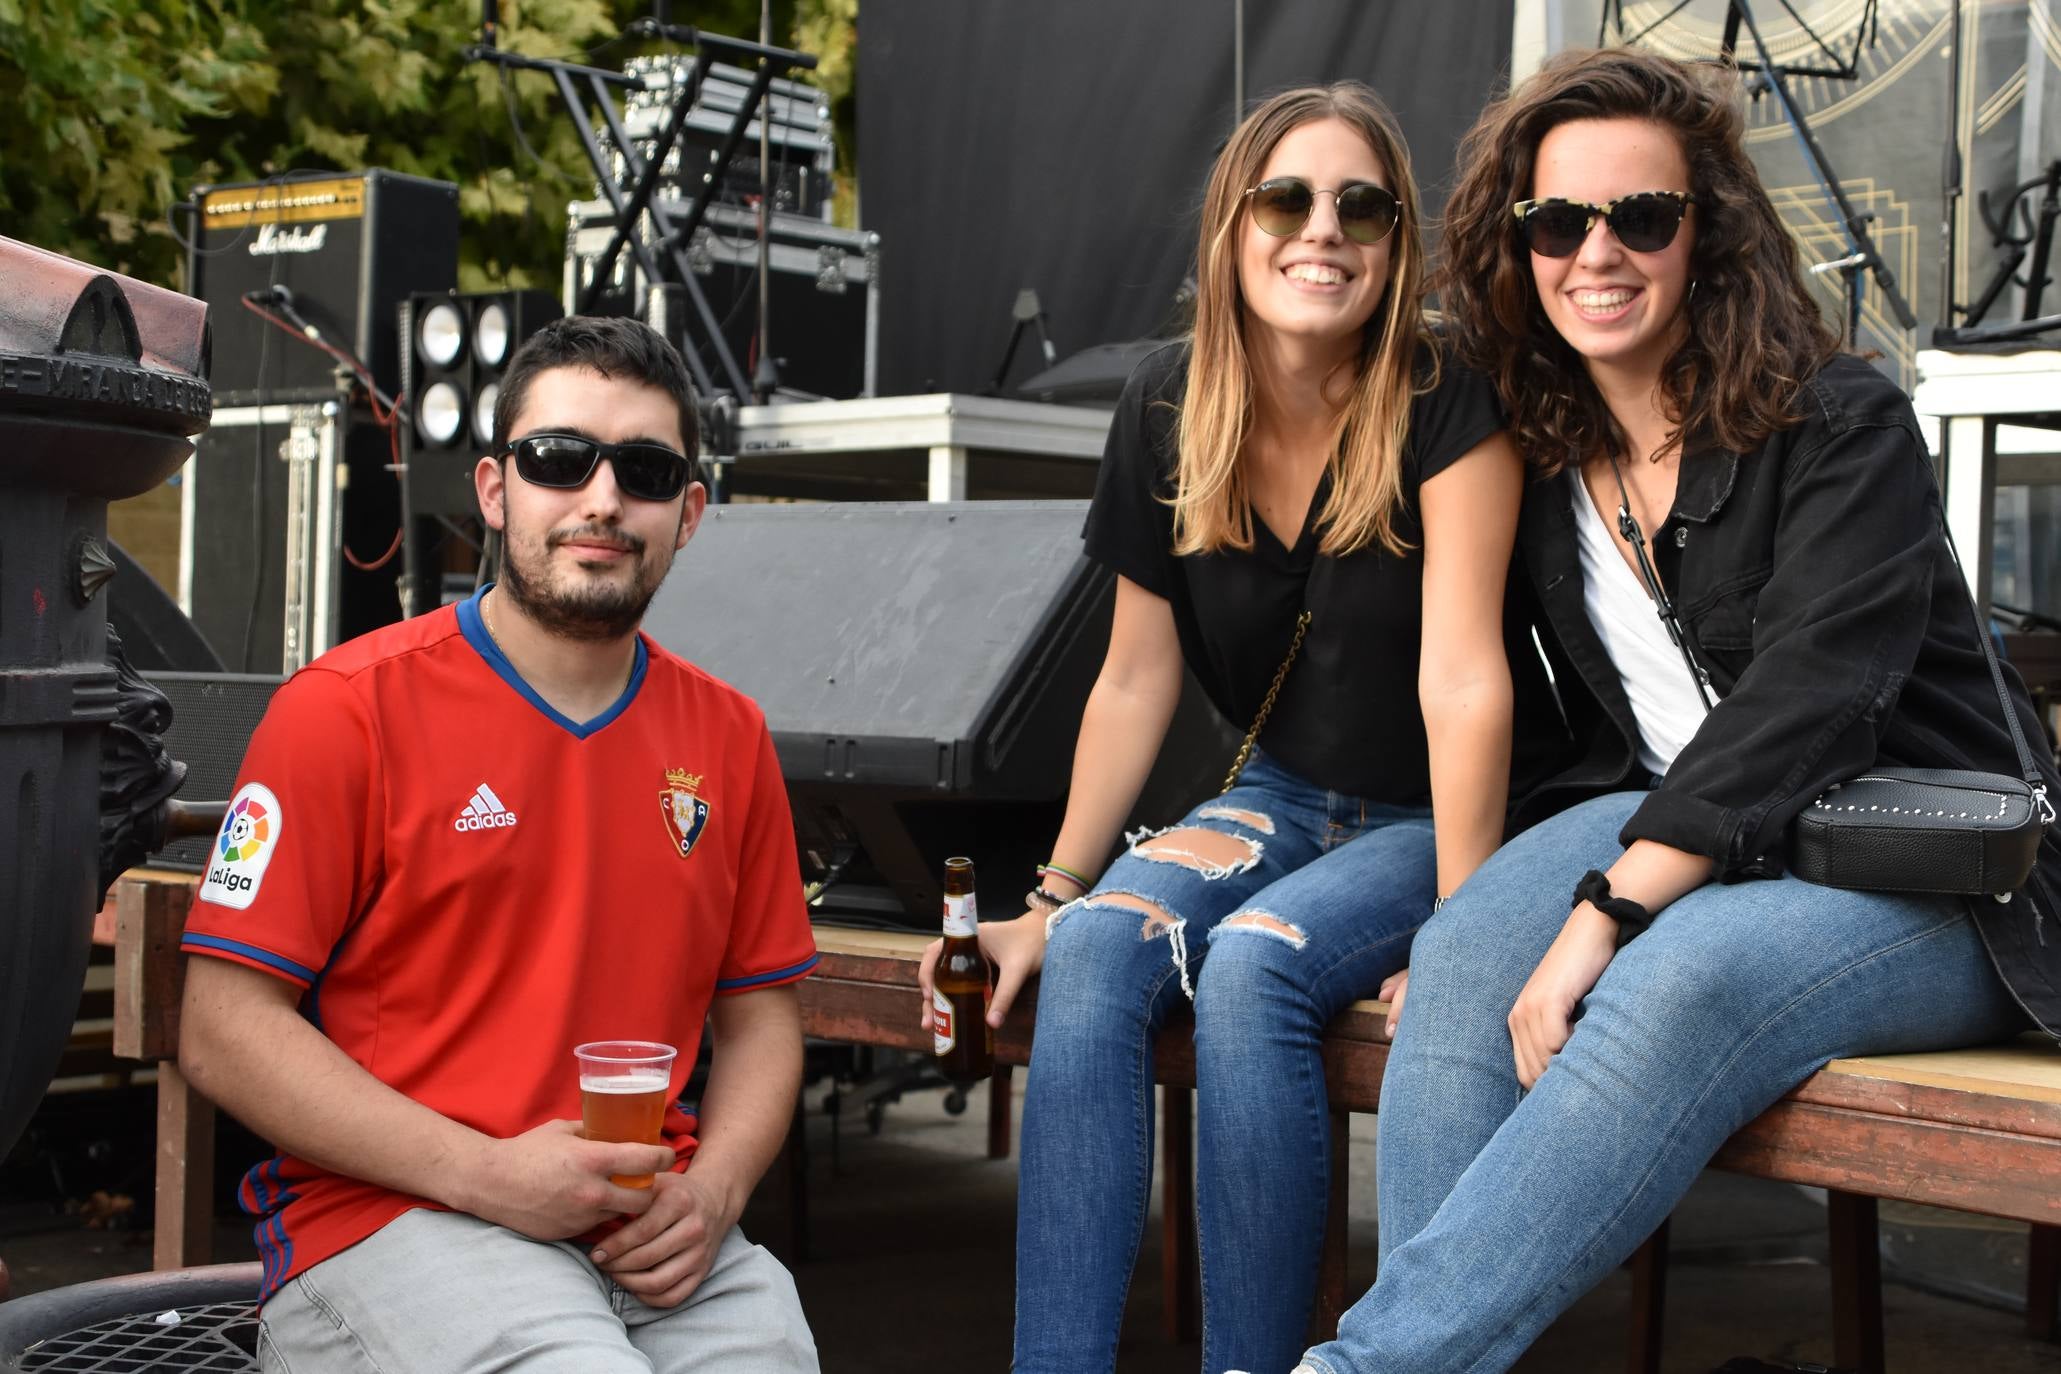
(944,1029)
(960,917)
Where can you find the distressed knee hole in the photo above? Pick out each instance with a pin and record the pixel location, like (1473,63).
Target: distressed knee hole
(1212,853)
(1157,919)
(1270,924)
(1238,815)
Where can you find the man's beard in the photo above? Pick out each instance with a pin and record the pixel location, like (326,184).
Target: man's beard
(593,609)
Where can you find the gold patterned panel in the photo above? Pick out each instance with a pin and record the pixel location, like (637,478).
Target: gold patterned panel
(1820,238)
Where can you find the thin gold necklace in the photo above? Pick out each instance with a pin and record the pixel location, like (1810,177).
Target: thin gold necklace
(486,617)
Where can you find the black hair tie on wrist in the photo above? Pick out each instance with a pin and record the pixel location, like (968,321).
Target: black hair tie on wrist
(1631,918)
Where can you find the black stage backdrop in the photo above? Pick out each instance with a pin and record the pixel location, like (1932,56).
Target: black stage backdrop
(1062,145)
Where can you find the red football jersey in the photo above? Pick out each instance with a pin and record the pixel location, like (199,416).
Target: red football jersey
(468,884)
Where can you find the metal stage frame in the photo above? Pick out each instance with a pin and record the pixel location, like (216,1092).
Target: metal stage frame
(944,446)
(1974,396)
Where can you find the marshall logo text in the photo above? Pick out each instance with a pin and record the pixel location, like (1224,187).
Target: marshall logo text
(272,240)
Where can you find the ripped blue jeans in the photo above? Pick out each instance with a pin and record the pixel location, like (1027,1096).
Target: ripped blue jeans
(1297,903)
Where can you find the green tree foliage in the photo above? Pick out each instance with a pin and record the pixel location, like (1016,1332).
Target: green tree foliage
(119,108)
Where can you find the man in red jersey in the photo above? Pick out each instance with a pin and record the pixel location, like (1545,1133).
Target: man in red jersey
(462,845)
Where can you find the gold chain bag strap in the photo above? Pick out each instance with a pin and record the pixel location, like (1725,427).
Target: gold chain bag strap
(1259,722)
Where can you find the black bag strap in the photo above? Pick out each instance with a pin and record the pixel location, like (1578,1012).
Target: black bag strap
(2028,769)
(1629,528)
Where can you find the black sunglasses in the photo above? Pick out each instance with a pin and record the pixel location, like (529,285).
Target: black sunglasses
(649,472)
(1366,213)
(1644,223)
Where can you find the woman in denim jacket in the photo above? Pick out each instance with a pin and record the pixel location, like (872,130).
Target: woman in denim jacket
(1564,1070)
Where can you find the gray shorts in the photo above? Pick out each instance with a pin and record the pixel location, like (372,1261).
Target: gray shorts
(446,1293)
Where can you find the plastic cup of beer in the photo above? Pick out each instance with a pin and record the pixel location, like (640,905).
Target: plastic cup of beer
(624,1088)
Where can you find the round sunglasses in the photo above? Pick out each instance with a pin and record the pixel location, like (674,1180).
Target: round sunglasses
(1366,213)
(1645,223)
(649,472)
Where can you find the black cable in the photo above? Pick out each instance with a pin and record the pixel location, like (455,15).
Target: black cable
(294,325)
(257,581)
(456,531)
(522,139)
(192,245)
(257,505)
(257,502)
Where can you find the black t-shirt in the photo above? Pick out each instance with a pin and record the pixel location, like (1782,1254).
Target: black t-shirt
(1348,717)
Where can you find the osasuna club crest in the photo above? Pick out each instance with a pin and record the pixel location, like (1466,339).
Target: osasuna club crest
(686,813)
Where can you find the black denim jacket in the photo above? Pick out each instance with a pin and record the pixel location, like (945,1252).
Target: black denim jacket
(1815,586)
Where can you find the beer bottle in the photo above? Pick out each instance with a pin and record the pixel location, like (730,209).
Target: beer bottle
(964,1045)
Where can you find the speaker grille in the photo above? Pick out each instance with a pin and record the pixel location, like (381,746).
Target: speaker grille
(213,717)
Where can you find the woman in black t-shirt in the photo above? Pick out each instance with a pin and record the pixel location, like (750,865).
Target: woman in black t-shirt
(1304,453)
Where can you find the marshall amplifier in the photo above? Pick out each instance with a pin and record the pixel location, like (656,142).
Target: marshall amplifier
(348,248)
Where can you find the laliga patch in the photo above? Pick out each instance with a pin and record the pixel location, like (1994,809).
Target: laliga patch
(685,812)
(243,848)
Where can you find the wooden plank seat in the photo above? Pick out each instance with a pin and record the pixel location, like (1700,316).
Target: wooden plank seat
(1974,1130)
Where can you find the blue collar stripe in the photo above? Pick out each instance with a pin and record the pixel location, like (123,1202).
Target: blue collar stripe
(474,628)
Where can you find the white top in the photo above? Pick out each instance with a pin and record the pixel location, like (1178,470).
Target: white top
(1663,695)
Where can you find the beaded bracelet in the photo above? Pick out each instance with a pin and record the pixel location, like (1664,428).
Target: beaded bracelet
(1076,879)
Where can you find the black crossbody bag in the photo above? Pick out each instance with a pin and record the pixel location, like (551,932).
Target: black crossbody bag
(1939,830)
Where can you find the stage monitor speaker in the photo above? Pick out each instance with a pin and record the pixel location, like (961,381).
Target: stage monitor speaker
(348,247)
(156,635)
(213,717)
(923,668)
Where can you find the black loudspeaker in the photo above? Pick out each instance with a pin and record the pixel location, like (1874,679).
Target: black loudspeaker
(213,717)
(242,521)
(156,635)
(454,350)
(923,668)
(348,249)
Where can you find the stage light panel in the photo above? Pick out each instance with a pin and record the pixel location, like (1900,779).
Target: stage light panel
(440,414)
(483,412)
(491,336)
(441,335)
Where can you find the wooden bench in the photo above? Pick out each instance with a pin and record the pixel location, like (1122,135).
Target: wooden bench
(1974,1130)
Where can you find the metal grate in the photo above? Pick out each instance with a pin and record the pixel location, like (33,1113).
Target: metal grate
(219,1339)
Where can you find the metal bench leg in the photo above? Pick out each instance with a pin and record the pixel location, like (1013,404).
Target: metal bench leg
(185,1234)
(1856,1282)
(1331,1303)
(1180,1270)
(794,1161)
(998,1112)
(2043,1283)
(1644,1332)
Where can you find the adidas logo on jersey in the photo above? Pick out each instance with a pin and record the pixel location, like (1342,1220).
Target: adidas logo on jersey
(484,812)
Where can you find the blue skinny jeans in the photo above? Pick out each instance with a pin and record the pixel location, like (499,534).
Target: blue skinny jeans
(1307,906)
(1500,1208)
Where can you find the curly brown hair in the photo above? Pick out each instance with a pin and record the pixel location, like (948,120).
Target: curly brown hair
(1755,335)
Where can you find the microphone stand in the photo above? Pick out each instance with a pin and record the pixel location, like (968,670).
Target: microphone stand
(1861,254)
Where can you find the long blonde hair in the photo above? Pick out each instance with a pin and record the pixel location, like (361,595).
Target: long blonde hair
(1212,505)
